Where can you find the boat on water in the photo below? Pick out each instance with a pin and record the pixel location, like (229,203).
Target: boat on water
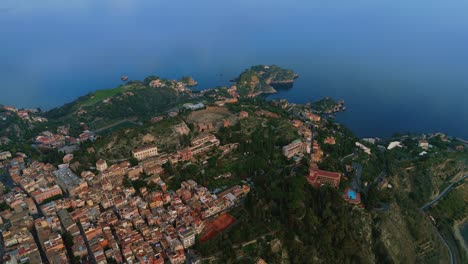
(124,78)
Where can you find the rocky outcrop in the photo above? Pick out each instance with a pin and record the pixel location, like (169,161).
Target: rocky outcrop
(263,80)
(189,81)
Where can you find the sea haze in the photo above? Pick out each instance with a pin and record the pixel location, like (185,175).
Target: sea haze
(399,65)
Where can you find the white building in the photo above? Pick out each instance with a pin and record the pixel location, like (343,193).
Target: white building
(5,155)
(364,148)
(187,237)
(145,152)
(394,144)
(192,107)
(424,144)
(295,147)
(370,140)
(101,165)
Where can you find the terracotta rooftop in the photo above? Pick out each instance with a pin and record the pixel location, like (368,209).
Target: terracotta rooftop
(328,174)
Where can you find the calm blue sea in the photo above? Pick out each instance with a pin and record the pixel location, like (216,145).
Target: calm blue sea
(399,65)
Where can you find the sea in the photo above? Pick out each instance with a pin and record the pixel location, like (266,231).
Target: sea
(399,65)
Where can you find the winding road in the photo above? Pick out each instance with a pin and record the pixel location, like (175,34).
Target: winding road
(434,201)
(443,193)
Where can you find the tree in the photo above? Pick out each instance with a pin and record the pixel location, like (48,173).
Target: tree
(133,161)
(126,182)
(4,206)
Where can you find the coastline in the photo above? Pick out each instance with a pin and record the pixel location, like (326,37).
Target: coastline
(458,236)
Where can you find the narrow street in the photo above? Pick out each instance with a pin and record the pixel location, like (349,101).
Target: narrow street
(88,247)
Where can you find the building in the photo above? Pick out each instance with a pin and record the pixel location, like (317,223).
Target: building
(297,123)
(330,141)
(156,119)
(145,152)
(231,101)
(459,148)
(205,127)
(424,144)
(364,148)
(203,143)
(67,222)
(187,237)
(5,155)
(101,165)
(69,181)
(134,173)
(294,148)
(32,208)
(47,139)
(67,158)
(243,114)
(42,194)
(156,84)
(10,108)
(370,140)
(394,144)
(313,117)
(317,178)
(190,106)
(153,170)
(185,154)
(87,135)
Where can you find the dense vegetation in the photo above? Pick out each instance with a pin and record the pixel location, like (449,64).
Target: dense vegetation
(308,222)
(324,105)
(103,108)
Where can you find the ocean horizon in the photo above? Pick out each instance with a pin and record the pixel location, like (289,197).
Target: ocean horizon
(399,66)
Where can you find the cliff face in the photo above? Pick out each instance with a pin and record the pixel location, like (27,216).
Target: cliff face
(263,79)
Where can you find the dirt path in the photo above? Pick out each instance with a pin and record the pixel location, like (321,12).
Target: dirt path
(131,120)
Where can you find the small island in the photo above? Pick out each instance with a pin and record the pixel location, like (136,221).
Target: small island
(189,81)
(262,79)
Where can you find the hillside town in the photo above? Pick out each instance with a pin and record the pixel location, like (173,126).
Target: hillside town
(131,204)
(105,219)
(54,210)
(29,115)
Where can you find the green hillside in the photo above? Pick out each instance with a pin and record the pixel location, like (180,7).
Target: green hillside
(103,107)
